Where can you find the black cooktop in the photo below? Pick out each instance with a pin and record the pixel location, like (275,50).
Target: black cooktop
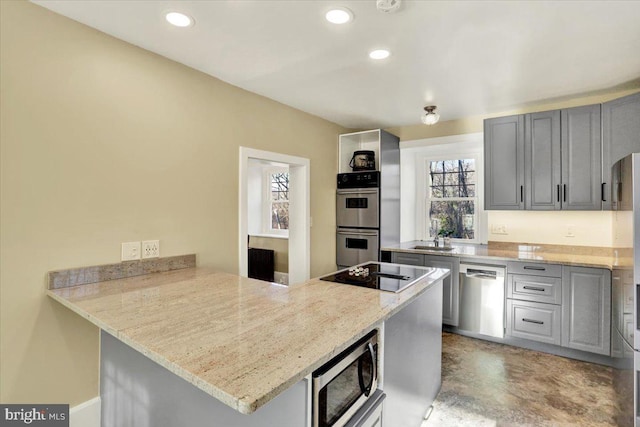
(379,275)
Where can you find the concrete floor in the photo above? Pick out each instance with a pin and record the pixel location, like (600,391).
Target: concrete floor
(488,384)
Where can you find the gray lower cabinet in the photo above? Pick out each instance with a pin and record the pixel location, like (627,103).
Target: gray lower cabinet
(408,258)
(534,298)
(504,163)
(450,285)
(535,288)
(534,321)
(620,130)
(586,309)
(549,303)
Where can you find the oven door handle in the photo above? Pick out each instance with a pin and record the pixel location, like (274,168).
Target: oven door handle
(358,233)
(366,390)
(363,192)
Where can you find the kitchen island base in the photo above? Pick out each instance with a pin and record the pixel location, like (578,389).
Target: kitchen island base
(137,392)
(413,359)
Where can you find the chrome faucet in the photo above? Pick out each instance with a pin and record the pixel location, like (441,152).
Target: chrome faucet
(433,230)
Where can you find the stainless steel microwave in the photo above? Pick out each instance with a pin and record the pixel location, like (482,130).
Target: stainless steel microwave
(346,383)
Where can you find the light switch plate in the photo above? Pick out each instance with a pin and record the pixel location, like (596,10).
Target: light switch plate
(130,251)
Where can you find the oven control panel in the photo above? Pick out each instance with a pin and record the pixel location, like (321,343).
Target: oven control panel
(368,179)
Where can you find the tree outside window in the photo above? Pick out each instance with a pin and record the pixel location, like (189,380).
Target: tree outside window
(452,198)
(279,201)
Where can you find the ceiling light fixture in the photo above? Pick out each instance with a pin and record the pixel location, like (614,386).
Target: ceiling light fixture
(430,117)
(388,6)
(379,54)
(179,19)
(339,15)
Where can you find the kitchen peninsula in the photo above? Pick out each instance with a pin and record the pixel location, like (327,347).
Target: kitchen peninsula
(249,344)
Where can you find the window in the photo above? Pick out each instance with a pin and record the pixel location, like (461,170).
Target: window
(276,218)
(451,200)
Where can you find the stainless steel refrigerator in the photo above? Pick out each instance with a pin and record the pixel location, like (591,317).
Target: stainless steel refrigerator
(625,329)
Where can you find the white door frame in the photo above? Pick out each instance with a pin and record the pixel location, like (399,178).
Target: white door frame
(299,212)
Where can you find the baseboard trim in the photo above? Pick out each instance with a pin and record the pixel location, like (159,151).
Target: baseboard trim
(282,278)
(86,414)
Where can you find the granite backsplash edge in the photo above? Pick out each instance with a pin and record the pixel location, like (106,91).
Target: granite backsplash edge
(99,273)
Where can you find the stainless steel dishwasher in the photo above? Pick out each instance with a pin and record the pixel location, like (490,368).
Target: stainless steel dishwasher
(482,299)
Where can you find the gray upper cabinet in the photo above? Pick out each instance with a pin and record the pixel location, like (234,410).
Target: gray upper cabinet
(542,161)
(586,309)
(504,163)
(559,159)
(620,136)
(581,158)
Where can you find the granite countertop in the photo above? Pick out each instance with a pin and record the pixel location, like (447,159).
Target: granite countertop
(241,340)
(584,256)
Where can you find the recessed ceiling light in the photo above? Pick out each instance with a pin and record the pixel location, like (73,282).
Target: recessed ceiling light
(379,54)
(339,15)
(179,19)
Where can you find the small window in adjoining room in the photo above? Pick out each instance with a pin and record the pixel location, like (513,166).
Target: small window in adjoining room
(277,202)
(451,199)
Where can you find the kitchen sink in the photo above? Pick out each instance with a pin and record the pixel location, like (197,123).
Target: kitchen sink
(434,248)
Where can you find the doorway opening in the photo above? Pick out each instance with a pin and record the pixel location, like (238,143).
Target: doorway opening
(274,206)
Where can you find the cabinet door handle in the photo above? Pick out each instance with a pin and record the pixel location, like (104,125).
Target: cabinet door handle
(537,322)
(559,193)
(521,193)
(564,195)
(530,267)
(602,191)
(533,288)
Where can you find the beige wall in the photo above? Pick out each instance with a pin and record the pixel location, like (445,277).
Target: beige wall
(102,143)
(588,228)
(279,246)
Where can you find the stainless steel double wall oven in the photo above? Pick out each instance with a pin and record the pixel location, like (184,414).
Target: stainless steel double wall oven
(357,218)
(367,201)
(368,208)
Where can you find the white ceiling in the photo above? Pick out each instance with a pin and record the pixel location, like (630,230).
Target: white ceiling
(467,57)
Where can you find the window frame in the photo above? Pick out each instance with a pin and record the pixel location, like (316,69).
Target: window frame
(470,146)
(267,202)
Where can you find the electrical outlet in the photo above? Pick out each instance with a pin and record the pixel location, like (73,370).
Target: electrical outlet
(571,231)
(130,251)
(499,229)
(150,248)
